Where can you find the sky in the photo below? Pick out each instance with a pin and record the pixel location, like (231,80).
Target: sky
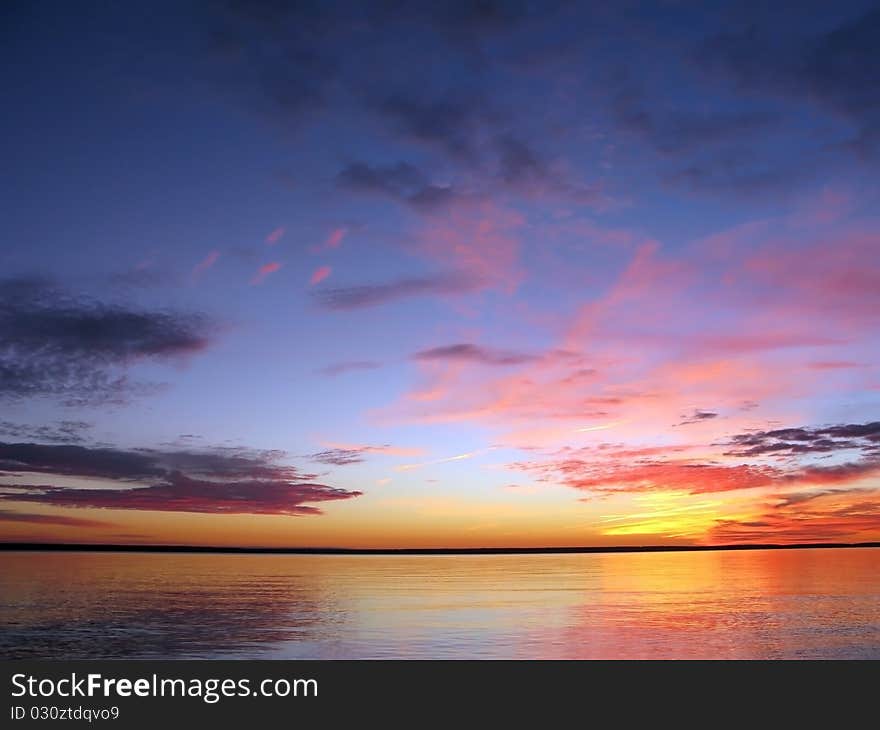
(462,274)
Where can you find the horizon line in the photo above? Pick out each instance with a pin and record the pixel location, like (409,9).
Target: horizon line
(135,548)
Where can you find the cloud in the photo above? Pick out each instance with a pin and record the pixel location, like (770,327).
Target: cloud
(448,123)
(319,275)
(833,365)
(601,477)
(76,349)
(520,168)
(457,457)
(398,180)
(334,238)
(179,493)
(345,454)
(338,457)
(371,295)
(264,271)
(863,437)
(475,354)
(836,68)
(220,481)
(69,432)
(697,469)
(403,183)
(795,498)
(348,366)
(275,236)
(206,263)
(845,515)
(697,416)
(55,520)
(279,51)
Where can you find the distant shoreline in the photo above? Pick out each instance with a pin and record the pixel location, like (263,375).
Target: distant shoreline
(77,547)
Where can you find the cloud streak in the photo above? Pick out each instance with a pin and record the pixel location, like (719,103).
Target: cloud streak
(467,352)
(319,275)
(348,366)
(264,271)
(371,295)
(275,236)
(206,263)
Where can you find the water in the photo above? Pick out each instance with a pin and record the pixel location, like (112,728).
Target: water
(754,604)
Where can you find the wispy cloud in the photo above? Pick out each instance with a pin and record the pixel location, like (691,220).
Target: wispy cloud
(275,236)
(345,454)
(457,457)
(474,353)
(697,416)
(264,271)
(349,366)
(335,237)
(206,263)
(319,275)
(371,295)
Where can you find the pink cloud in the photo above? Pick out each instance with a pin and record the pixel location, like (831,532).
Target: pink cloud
(206,263)
(264,271)
(319,275)
(742,316)
(335,237)
(849,515)
(481,239)
(275,236)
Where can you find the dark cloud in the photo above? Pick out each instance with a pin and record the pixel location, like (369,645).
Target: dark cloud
(300,59)
(281,51)
(794,498)
(870,431)
(56,344)
(67,432)
(839,473)
(338,457)
(522,169)
(697,416)
(70,460)
(469,20)
(402,182)
(397,180)
(370,295)
(677,131)
(838,68)
(295,59)
(720,150)
(55,520)
(741,172)
(474,353)
(864,437)
(238,481)
(450,123)
(179,493)
(348,366)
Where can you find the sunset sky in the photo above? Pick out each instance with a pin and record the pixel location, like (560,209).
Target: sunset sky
(420,274)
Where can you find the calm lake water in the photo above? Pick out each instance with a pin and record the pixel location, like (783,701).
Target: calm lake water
(754,604)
